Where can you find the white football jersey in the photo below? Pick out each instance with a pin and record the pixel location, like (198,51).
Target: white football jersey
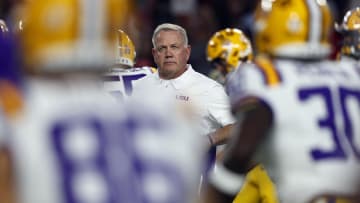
(72,143)
(314,145)
(119,81)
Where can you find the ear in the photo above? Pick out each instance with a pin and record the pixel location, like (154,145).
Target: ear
(153,51)
(188,52)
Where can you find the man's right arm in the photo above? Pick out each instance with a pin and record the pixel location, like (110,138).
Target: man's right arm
(7,187)
(221,135)
(219,107)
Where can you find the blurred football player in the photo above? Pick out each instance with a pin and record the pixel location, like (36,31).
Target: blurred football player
(10,101)
(119,79)
(226,50)
(10,73)
(70,142)
(298,111)
(349,30)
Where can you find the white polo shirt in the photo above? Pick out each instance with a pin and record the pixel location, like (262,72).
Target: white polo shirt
(206,95)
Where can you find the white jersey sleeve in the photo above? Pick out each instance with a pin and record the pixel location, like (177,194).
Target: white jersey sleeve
(253,80)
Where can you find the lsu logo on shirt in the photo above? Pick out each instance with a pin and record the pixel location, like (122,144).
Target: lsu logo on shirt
(182,97)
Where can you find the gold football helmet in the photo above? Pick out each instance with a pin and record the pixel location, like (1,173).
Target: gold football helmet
(125,55)
(350,31)
(64,35)
(230,45)
(293,28)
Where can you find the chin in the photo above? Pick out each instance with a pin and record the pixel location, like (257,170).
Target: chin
(169,64)
(170,67)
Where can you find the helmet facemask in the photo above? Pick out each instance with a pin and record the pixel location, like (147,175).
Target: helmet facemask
(350,33)
(125,51)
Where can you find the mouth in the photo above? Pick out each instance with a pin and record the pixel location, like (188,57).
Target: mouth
(169,62)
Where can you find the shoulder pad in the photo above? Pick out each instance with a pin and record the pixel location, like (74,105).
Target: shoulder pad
(270,74)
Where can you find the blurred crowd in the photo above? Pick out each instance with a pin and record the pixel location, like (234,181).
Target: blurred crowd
(200,17)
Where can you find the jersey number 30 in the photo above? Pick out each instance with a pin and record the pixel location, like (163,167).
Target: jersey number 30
(332,99)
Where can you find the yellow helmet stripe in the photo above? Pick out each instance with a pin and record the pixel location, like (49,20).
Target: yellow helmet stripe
(118,52)
(271,75)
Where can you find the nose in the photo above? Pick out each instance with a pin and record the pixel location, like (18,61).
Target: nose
(168,53)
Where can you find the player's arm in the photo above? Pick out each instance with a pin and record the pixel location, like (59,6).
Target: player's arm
(7,190)
(10,104)
(255,119)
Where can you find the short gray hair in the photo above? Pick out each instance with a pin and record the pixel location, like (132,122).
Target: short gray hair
(169,26)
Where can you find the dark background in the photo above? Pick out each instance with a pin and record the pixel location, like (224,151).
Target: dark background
(201,18)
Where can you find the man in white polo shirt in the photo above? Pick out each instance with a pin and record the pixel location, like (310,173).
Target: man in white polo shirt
(171,53)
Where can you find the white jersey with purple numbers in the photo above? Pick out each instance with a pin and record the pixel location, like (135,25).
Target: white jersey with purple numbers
(314,145)
(119,81)
(73,144)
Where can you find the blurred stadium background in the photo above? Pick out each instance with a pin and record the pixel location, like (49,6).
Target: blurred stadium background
(201,18)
